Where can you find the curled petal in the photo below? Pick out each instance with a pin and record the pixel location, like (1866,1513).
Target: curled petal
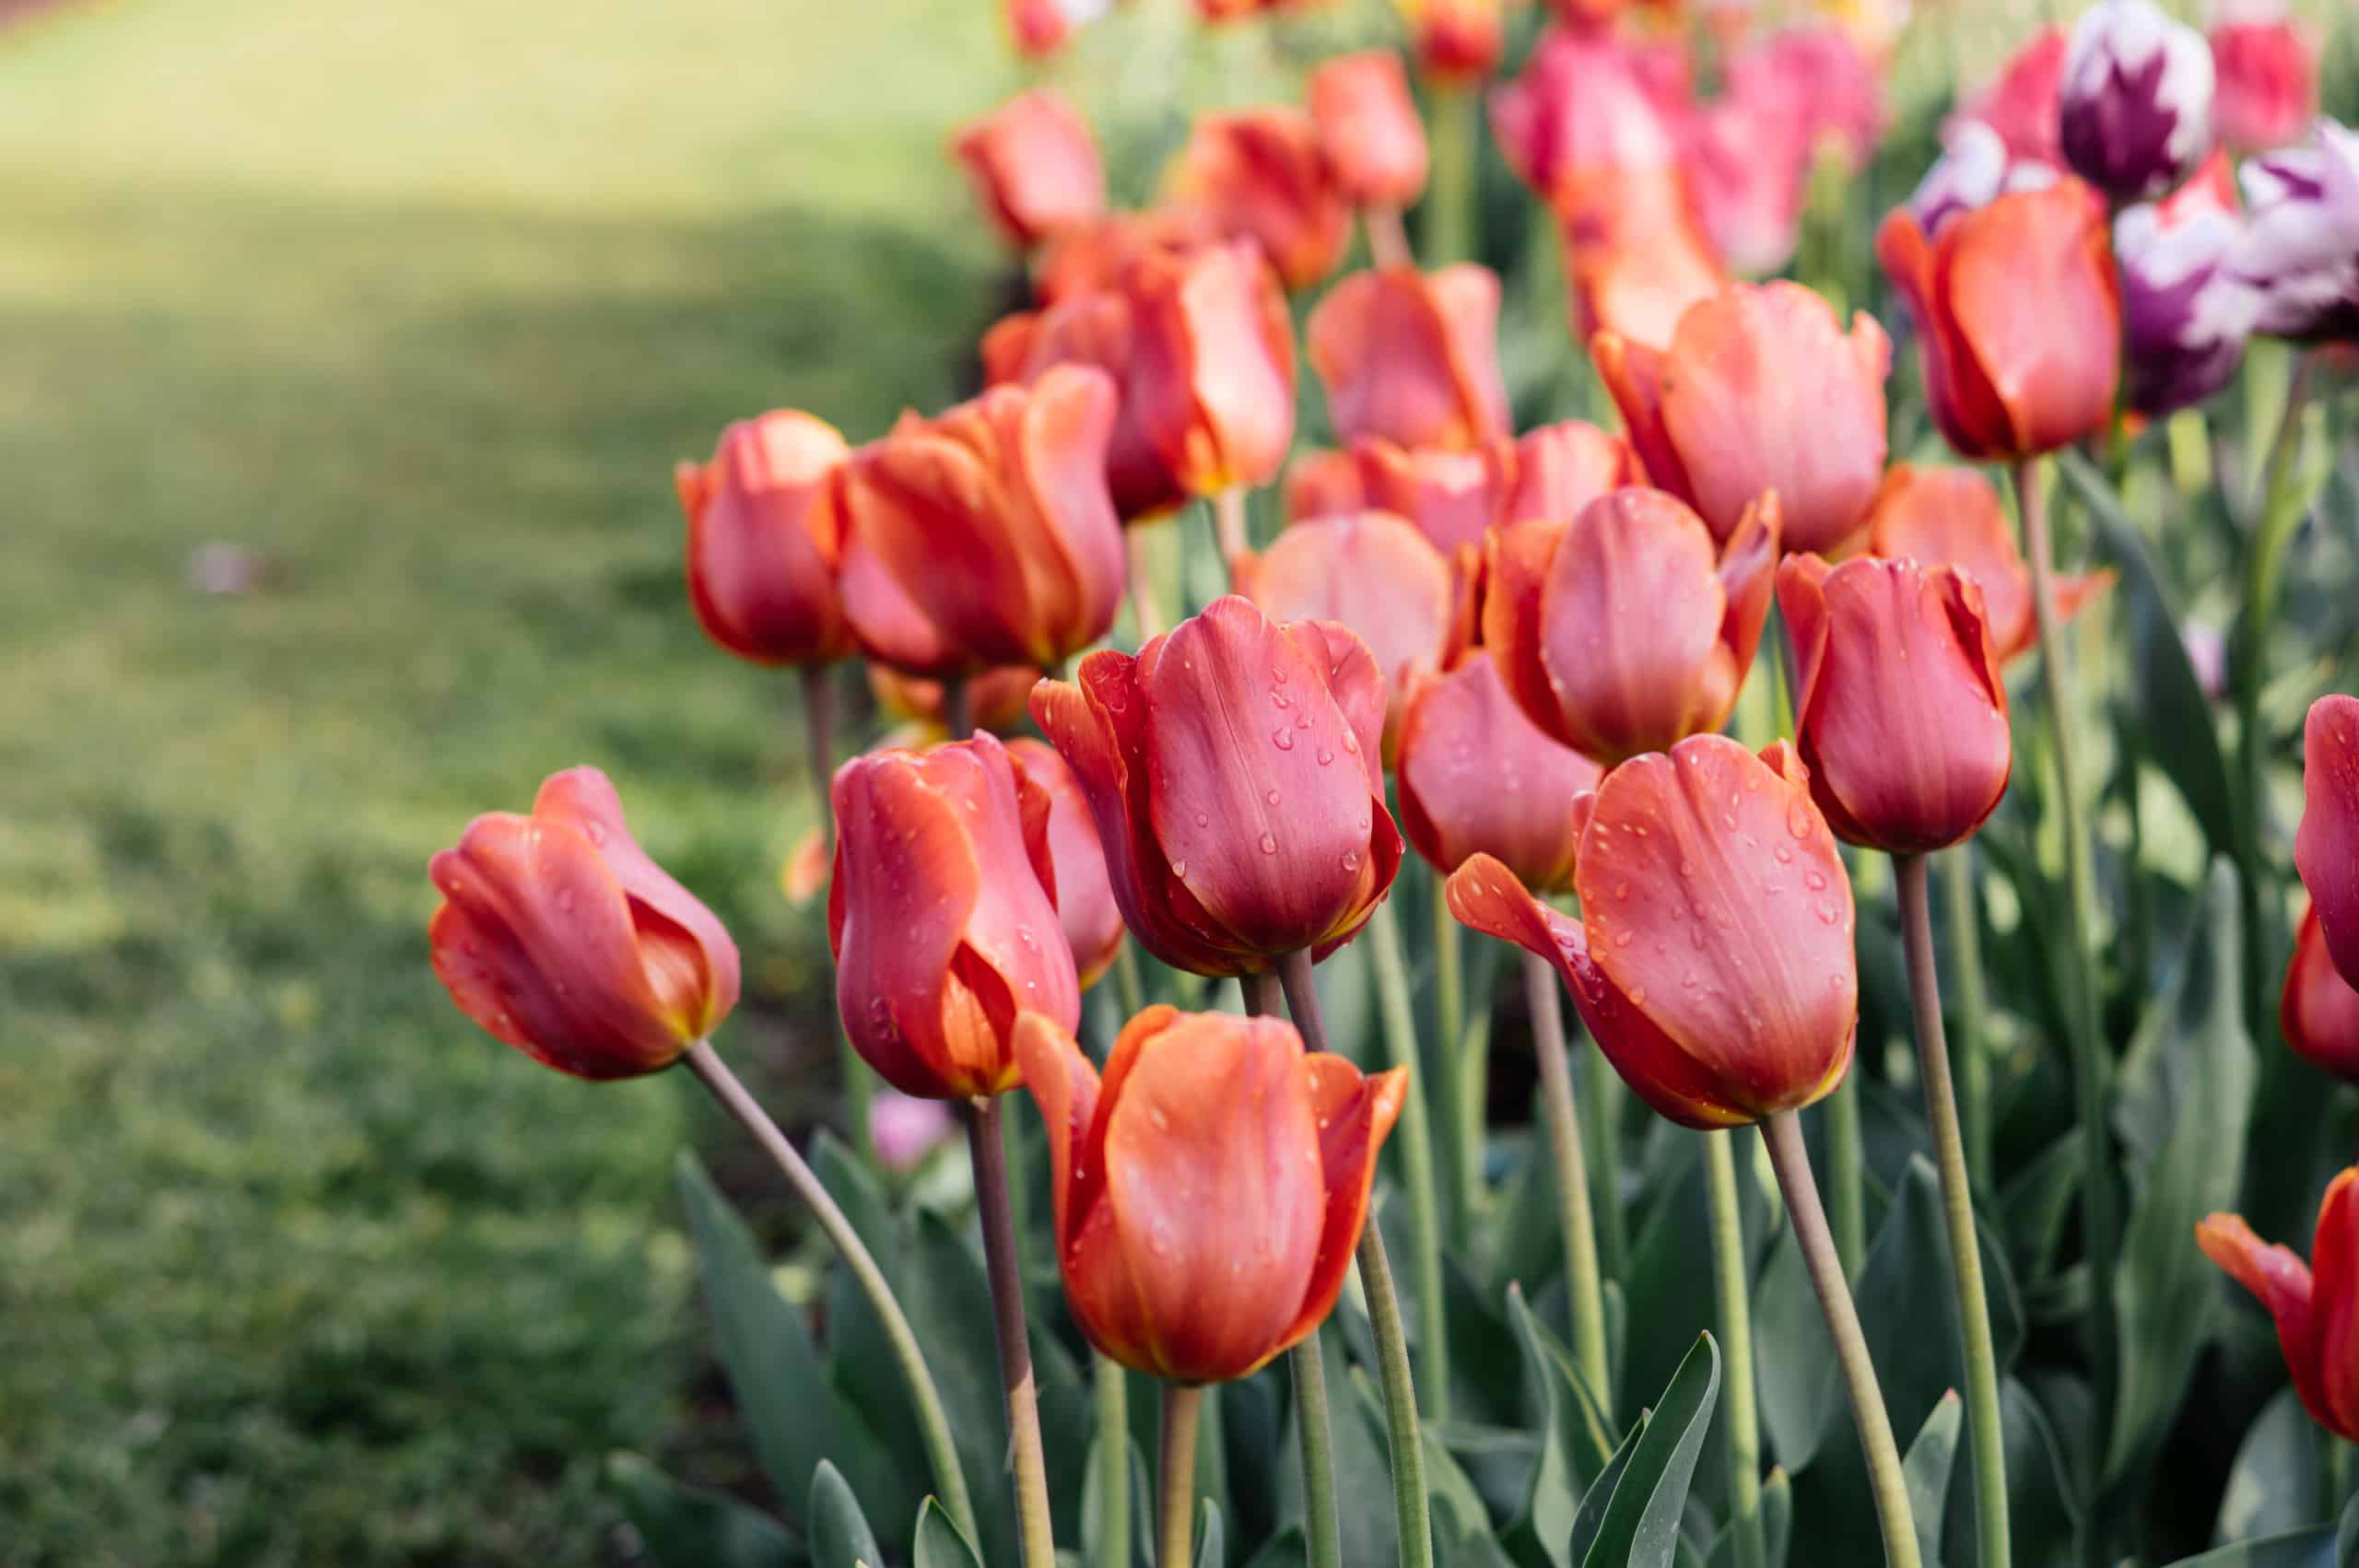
(2282,1283)
(1355,1114)
(2326,847)
(2319,1012)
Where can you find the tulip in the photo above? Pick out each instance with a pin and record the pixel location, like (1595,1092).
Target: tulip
(1232,767)
(1456,43)
(561,938)
(1635,256)
(1368,129)
(1034,166)
(1816,75)
(2326,846)
(2316,1306)
(1321,483)
(1587,105)
(763,538)
(2135,109)
(1478,778)
(998,699)
(2024,103)
(1974,170)
(2184,311)
(1260,175)
(1412,357)
(2320,1011)
(986,535)
(1086,909)
(1089,329)
(1902,717)
(1713,959)
(941,918)
(1210,1188)
(2301,233)
(1953,516)
(1558,469)
(2267,74)
(1042,28)
(2020,317)
(1454,497)
(1748,163)
(1760,390)
(1213,371)
(1094,257)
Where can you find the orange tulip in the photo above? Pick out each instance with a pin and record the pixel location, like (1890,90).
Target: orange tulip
(1760,390)
(764,537)
(1953,516)
(1628,628)
(1902,719)
(1210,1189)
(999,698)
(560,937)
(1089,329)
(1457,497)
(1368,129)
(1233,769)
(941,917)
(2320,1011)
(1713,960)
(1260,175)
(1034,166)
(1092,257)
(1412,357)
(2326,846)
(986,535)
(1092,926)
(1212,376)
(1478,778)
(2316,1306)
(2020,315)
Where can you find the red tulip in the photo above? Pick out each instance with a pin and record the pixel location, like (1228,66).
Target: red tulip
(1368,129)
(1626,628)
(2265,82)
(1260,175)
(2020,315)
(942,919)
(2024,103)
(1953,516)
(1457,497)
(2320,1011)
(1478,778)
(1035,166)
(1092,926)
(1748,163)
(1040,28)
(1902,719)
(1456,43)
(986,535)
(1412,357)
(1713,960)
(1210,1190)
(2316,1306)
(763,538)
(1817,74)
(2325,847)
(559,936)
(1233,768)
(1212,376)
(1089,329)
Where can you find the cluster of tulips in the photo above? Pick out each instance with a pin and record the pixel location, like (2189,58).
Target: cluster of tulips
(1512,653)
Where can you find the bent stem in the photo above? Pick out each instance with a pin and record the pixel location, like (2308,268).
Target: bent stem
(1790,1158)
(933,1423)
(986,1140)
(1113,1464)
(1182,1403)
(1581,1282)
(1972,1051)
(1736,1329)
(1982,1418)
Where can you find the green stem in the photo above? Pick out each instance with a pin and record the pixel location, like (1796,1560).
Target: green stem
(1463,1123)
(1972,1051)
(1601,1103)
(1982,1419)
(933,1424)
(1113,1463)
(1450,216)
(1181,1405)
(2338,1474)
(1845,1175)
(1734,1288)
(1790,1158)
(1581,1282)
(1228,526)
(1415,1526)
(1127,982)
(986,1142)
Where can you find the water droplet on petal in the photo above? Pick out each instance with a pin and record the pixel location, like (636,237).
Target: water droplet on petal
(1282,739)
(1269,843)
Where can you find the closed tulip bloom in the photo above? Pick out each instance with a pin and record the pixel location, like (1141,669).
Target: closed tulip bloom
(2325,847)
(2184,314)
(1368,129)
(1089,329)
(2320,1012)
(1260,175)
(2136,102)
(1558,469)
(1210,1188)
(1713,960)
(986,535)
(2020,318)
(1816,73)
(1478,778)
(2315,1305)
(1097,256)
(2267,79)
(1456,43)
(1457,497)
(1760,390)
(2024,104)
(941,918)
(2300,251)
(561,938)
(764,537)
(1748,163)
(1586,105)
(1213,372)
(1626,628)
(1412,357)
(1902,718)
(998,699)
(1086,909)
(1233,768)
(1035,166)
(1953,516)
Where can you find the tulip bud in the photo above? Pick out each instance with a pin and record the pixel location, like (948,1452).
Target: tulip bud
(1085,899)
(1902,719)
(2024,103)
(1261,176)
(764,537)
(1457,497)
(2184,311)
(1953,516)
(1760,390)
(1412,357)
(1233,769)
(1034,166)
(2020,318)
(986,535)
(941,918)
(2136,101)
(1713,960)
(1478,778)
(1456,43)
(1368,129)
(1213,372)
(561,938)
(2317,1314)
(2320,1011)
(2300,232)
(1628,628)
(1210,1189)
(2267,74)
(1090,329)
(2326,846)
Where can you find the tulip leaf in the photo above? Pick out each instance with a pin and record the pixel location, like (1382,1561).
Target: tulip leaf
(839,1530)
(1576,1442)
(1287,1549)
(2314,1548)
(939,1544)
(1640,1526)
(2042,1511)
(1463,1540)
(2036,1203)
(2273,1485)
(1777,1527)
(1212,1549)
(1800,1394)
(1093,1511)
(1589,1517)
(685,1526)
(1932,1455)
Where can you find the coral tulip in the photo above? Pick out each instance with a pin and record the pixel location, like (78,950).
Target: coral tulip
(997,698)
(2326,846)
(1227,854)
(1213,371)
(1713,961)
(1041,28)
(1816,74)
(1368,129)
(1635,256)
(2020,317)
(1626,628)
(1953,516)
(1210,1188)
(2320,1012)
(1902,718)
(2136,105)
(2267,79)
(2316,1306)
(764,537)
(1412,357)
(1457,497)
(986,535)
(1086,909)
(1260,175)
(2024,103)
(2302,235)
(2185,313)
(560,937)
(1094,257)
(1456,43)
(1584,106)
(1035,166)
(1089,329)
(941,917)
(1321,483)
(1760,390)
(1478,778)
(1748,163)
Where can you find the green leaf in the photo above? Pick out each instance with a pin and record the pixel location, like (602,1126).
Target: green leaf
(1576,1442)
(1093,1517)
(685,1527)
(1926,1468)
(1794,1365)
(1642,1524)
(1777,1524)
(1212,1551)
(939,1544)
(1287,1549)
(1591,1516)
(2042,1511)
(2273,1485)
(2036,1203)
(839,1534)
(2313,1548)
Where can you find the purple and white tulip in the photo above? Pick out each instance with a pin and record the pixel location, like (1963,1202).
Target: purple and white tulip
(2184,314)
(1974,168)
(2300,252)
(2135,113)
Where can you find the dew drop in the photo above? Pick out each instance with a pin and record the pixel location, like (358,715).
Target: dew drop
(1622,938)
(1282,739)
(1269,843)
(1814,882)
(1351,743)
(1785,855)
(1180,868)
(1271,798)
(1325,756)
(1201,819)
(1350,859)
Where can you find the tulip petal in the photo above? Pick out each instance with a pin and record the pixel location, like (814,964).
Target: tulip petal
(1560,468)
(2334,1269)
(1477,775)
(892,628)
(2030,282)
(1374,573)
(2319,1012)
(1964,405)
(1634,374)
(2282,1283)
(2325,847)
(1354,1115)
(1453,496)
(1517,566)
(1382,343)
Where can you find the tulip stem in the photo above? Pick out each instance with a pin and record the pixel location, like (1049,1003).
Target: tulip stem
(1127,982)
(1583,1286)
(1228,525)
(1790,1156)
(959,706)
(987,1141)
(933,1424)
(1456,140)
(1731,1280)
(1414,1526)
(1145,610)
(1458,1086)
(1182,1404)
(1972,1052)
(1982,1418)
(1388,241)
(1113,1391)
